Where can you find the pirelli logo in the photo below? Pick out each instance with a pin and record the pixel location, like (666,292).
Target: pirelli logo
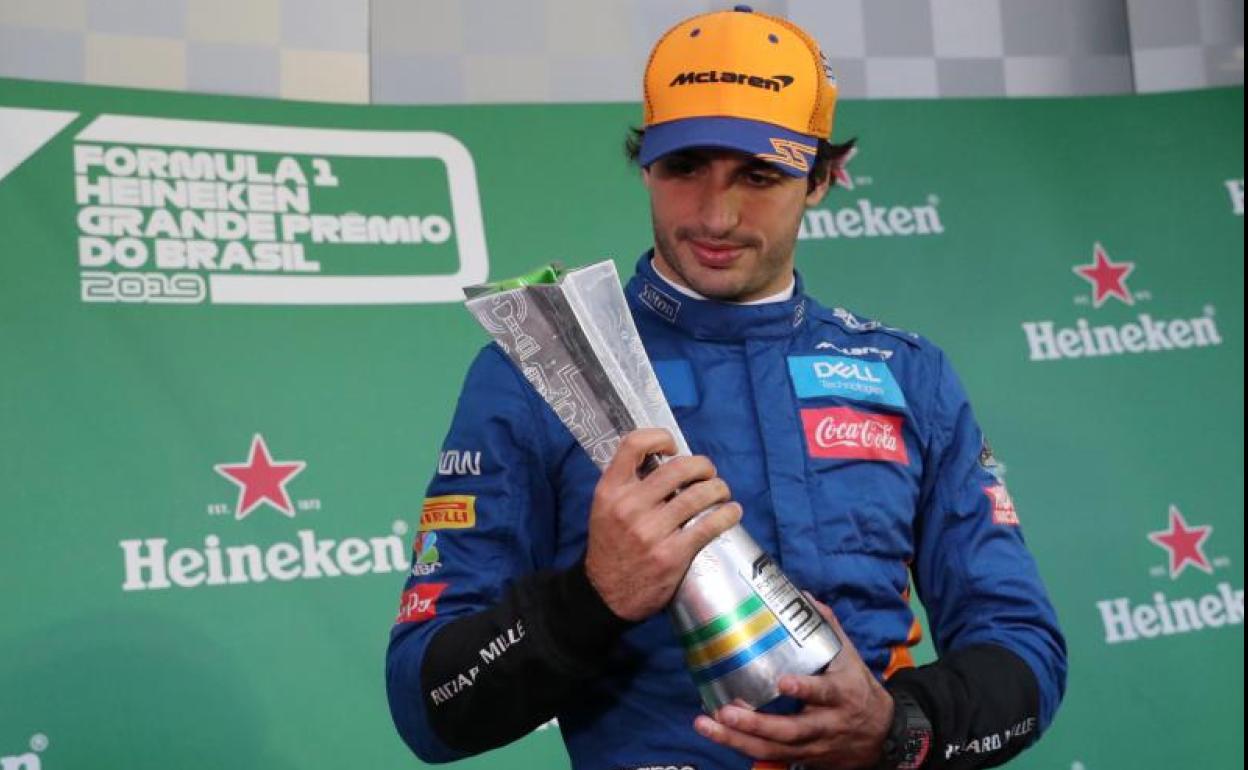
(449,512)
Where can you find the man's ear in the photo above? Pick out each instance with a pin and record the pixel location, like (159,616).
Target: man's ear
(820,189)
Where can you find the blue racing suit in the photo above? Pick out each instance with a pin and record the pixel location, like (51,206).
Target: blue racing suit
(854,452)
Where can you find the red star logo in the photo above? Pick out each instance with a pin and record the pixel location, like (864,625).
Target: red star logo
(841,173)
(1184,544)
(261,480)
(1107,278)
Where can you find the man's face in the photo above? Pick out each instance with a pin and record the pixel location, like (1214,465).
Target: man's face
(725,223)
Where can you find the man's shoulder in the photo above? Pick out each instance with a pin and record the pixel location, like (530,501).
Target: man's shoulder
(499,393)
(916,367)
(491,362)
(857,335)
(493,378)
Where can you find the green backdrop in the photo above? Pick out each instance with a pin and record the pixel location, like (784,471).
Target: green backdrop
(230,347)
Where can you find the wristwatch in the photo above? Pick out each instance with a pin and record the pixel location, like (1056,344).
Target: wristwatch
(909,737)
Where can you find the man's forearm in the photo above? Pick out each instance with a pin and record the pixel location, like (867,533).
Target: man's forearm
(493,676)
(982,702)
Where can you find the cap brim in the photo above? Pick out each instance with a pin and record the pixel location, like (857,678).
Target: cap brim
(789,151)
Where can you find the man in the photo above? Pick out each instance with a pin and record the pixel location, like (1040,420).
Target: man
(848,447)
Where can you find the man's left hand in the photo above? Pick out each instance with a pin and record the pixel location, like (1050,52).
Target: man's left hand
(843,724)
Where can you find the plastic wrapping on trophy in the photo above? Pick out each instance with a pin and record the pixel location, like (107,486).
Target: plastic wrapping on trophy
(741,622)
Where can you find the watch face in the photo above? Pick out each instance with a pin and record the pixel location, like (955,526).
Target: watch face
(918,742)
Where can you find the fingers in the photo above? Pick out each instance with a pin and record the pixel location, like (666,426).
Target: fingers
(669,496)
(694,499)
(817,690)
(675,474)
(753,745)
(848,656)
(695,537)
(790,729)
(632,452)
(846,680)
(828,737)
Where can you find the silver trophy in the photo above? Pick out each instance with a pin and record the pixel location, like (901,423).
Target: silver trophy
(740,620)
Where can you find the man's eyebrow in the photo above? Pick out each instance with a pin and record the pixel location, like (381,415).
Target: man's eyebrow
(690,156)
(755,165)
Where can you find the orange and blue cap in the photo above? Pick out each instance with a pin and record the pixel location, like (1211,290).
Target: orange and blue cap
(738,80)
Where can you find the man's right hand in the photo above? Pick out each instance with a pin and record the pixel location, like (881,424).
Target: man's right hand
(638,551)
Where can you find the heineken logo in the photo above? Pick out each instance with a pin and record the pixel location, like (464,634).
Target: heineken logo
(1127,621)
(191,212)
(28,760)
(840,171)
(1184,544)
(261,480)
(867,218)
(1235,189)
(152,563)
(157,562)
(1144,334)
(1107,280)
(1220,606)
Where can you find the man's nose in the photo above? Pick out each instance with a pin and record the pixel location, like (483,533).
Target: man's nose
(721,208)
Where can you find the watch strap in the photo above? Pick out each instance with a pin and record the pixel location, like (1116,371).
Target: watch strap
(909,738)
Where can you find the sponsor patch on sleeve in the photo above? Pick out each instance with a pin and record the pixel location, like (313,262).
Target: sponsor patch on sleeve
(989,462)
(420,603)
(853,378)
(426,559)
(1002,505)
(844,433)
(459,462)
(448,512)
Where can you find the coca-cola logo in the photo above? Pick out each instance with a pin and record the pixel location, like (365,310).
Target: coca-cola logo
(875,434)
(845,433)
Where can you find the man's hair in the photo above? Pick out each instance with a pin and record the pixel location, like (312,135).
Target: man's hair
(828,156)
